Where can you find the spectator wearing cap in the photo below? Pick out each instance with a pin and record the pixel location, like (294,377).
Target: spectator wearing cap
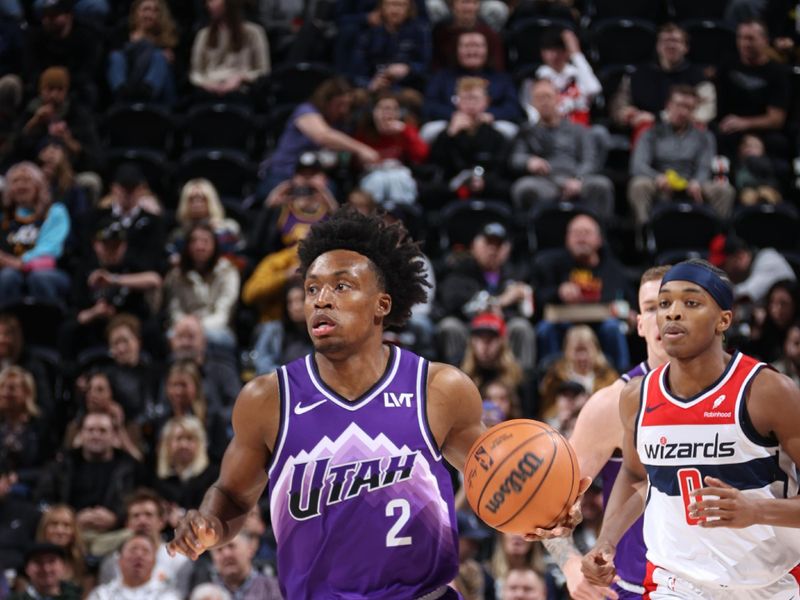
(484,280)
(472,538)
(399,146)
(114,279)
(583,272)
(137,560)
(33,232)
(673,158)
(752,272)
(54,114)
(60,40)
(470,152)
(132,204)
(55,161)
(46,572)
(291,209)
(315,125)
(556,159)
(570,396)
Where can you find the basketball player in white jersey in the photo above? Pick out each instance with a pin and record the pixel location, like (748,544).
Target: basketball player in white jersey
(597,440)
(717,438)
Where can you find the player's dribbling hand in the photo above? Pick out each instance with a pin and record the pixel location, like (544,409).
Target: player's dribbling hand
(598,565)
(579,588)
(726,506)
(194,535)
(567,524)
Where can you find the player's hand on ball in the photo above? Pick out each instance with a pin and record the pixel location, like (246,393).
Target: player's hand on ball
(194,535)
(598,565)
(567,524)
(723,506)
(579,588)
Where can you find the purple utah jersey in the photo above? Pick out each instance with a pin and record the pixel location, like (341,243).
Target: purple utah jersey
(361,503)
(630,558)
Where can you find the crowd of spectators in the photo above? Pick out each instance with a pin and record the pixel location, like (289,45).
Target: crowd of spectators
(147,262)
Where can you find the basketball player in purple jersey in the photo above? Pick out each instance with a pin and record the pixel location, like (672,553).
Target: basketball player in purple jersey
(707,417)
(597,440)
(352,437)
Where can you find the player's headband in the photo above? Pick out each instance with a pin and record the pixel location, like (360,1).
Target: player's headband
(706,279)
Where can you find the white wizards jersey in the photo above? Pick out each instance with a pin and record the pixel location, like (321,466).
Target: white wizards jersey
(680,441)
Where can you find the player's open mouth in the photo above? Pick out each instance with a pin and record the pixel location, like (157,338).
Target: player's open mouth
(321,325)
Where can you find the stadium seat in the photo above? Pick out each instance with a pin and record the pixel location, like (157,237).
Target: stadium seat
(548,225)
(460,220)
(218,126)
(40,321)
(154,164)
(681,229)
(230,171)
(138,126)
(622,42)
(683,10)
(294,83)
(768,226)
(522,41)
(650,10)
(710,42)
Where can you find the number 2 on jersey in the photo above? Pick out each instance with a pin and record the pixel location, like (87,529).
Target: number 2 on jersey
(689,480)
(401,505)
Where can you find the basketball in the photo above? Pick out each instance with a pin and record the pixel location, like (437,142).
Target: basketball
(521,474)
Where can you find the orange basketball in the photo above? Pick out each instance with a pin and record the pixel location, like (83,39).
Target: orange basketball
(521,474)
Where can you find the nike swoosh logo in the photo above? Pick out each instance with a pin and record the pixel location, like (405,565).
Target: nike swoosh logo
(299,409)
(649,409)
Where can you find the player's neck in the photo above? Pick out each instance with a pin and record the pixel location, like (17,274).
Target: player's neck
(688,377)
(354,374)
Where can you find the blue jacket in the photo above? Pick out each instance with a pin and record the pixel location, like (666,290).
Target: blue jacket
(442,89)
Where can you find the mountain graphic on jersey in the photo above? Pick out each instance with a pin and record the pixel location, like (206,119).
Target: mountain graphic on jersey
(355,469)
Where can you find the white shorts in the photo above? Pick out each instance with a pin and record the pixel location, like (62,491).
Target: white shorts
(662,584)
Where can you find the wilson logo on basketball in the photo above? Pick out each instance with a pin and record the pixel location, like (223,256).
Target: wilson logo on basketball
(526,467)
(484,458)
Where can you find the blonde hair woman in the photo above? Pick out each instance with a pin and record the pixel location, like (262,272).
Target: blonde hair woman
(58,526)
(583,362)
(33,232)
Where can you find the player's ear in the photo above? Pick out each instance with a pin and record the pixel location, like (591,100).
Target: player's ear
(384,305)
(724,322)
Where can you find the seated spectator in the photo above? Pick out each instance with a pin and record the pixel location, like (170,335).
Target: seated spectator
(470,152)
(183,388)
(673,159)
(503,396)
(772,320)
(199,202)
(221,382)
(754,173)
(399,147)
(513,553)
(32,236)
(141,70)
(137,559)
(183,472)
(11,89)
(484,280)
(584,271)
(210,591)
(72,478)
(789,361)
(114,280)
(46,572)
(472,56)
(473,539)
(132,204)
(582,362)
(131,371)
(54,160)
(14,352)
(229,54)
(282,340)
(465,16)
(524,584)
(556,160)
(61,40)
(145,515)
(233,569)
(642,95)
(53,114)
(396,52)
(18,519)
(312,126)
(754,94)
(98,396)
(59,526)
(290,210)
(204,284)
(26,440)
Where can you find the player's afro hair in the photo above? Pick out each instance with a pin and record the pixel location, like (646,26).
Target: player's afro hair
(396,258)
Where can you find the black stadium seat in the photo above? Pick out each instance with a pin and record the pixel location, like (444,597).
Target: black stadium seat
(681,229)
(622,42)
(138,126)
